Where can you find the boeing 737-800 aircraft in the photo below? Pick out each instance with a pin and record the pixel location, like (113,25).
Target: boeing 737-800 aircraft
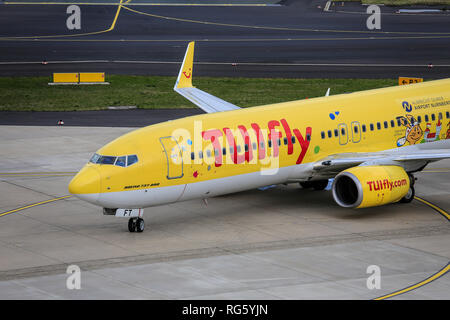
(371,142)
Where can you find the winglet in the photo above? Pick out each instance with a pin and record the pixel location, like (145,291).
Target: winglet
(328,93)
(184,79)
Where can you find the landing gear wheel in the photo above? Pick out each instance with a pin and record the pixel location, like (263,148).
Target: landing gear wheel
(409,196)
(305,184)
(140,225)
(320,184)
(131,225)
(412,180)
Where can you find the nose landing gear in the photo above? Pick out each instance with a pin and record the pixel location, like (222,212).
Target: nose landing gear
(136,225)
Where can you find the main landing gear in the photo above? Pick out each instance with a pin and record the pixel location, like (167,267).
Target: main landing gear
(411,192)
(136,225)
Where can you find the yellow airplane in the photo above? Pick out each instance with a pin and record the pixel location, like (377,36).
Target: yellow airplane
(370,142)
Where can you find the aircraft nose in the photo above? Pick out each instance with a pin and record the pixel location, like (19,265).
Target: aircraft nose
(86,184)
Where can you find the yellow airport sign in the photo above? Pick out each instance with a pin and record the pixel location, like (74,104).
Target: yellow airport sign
(408,80)
(65,78)
(92,77)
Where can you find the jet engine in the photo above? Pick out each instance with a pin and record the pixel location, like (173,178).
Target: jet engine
(370,186)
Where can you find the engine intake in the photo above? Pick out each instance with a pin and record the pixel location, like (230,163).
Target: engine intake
(370,186)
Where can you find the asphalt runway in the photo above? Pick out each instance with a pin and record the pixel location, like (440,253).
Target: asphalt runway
(281,243)
(295,39)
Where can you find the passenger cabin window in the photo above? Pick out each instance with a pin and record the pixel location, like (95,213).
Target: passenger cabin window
(392,123)
(419,119)
(378,125)
(329,134)
(371,127)
(308,137)
(426,118)
(293,139)
(355,128)
(336,132)
(385,124)
(343,131)
(322,134)
(433,117)
(440,116)
(364,128)
(447,114)
(399,122)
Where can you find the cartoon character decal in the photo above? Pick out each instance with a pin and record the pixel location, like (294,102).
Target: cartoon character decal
(413,132)
(432,136)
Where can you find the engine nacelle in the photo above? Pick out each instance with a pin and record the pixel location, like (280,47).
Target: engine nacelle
(370,186)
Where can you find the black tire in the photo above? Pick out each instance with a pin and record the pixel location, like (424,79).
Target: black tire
(306,184)
(319,185)
(131,225)
(140,225)
(409,196)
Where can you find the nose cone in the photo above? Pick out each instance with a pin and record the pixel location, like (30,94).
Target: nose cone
(86,184)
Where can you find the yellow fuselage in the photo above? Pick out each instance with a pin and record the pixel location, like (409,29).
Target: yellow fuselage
(263,144)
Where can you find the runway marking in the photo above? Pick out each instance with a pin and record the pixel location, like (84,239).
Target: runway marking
(70,35)
(278,28)
(51,39)
(234,64)
(33,205)
(434,276)
(149,4)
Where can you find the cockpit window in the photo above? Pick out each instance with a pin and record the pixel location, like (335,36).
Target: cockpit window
(132,159)
(95,158)
(121,161)
(106,160)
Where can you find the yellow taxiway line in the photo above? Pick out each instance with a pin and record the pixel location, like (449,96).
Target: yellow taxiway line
(431,278)
(111,28)
(34,205)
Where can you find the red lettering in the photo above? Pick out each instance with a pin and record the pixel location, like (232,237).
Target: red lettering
(304,143)
(213,135)
(273,136)
(287,130)
(237,158)
(248,152)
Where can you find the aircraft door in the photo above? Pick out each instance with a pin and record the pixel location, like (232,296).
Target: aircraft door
(174,157)
(356,132)
(343,134)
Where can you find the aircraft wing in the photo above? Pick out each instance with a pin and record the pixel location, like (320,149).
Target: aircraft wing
(204,100)
(410,157)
